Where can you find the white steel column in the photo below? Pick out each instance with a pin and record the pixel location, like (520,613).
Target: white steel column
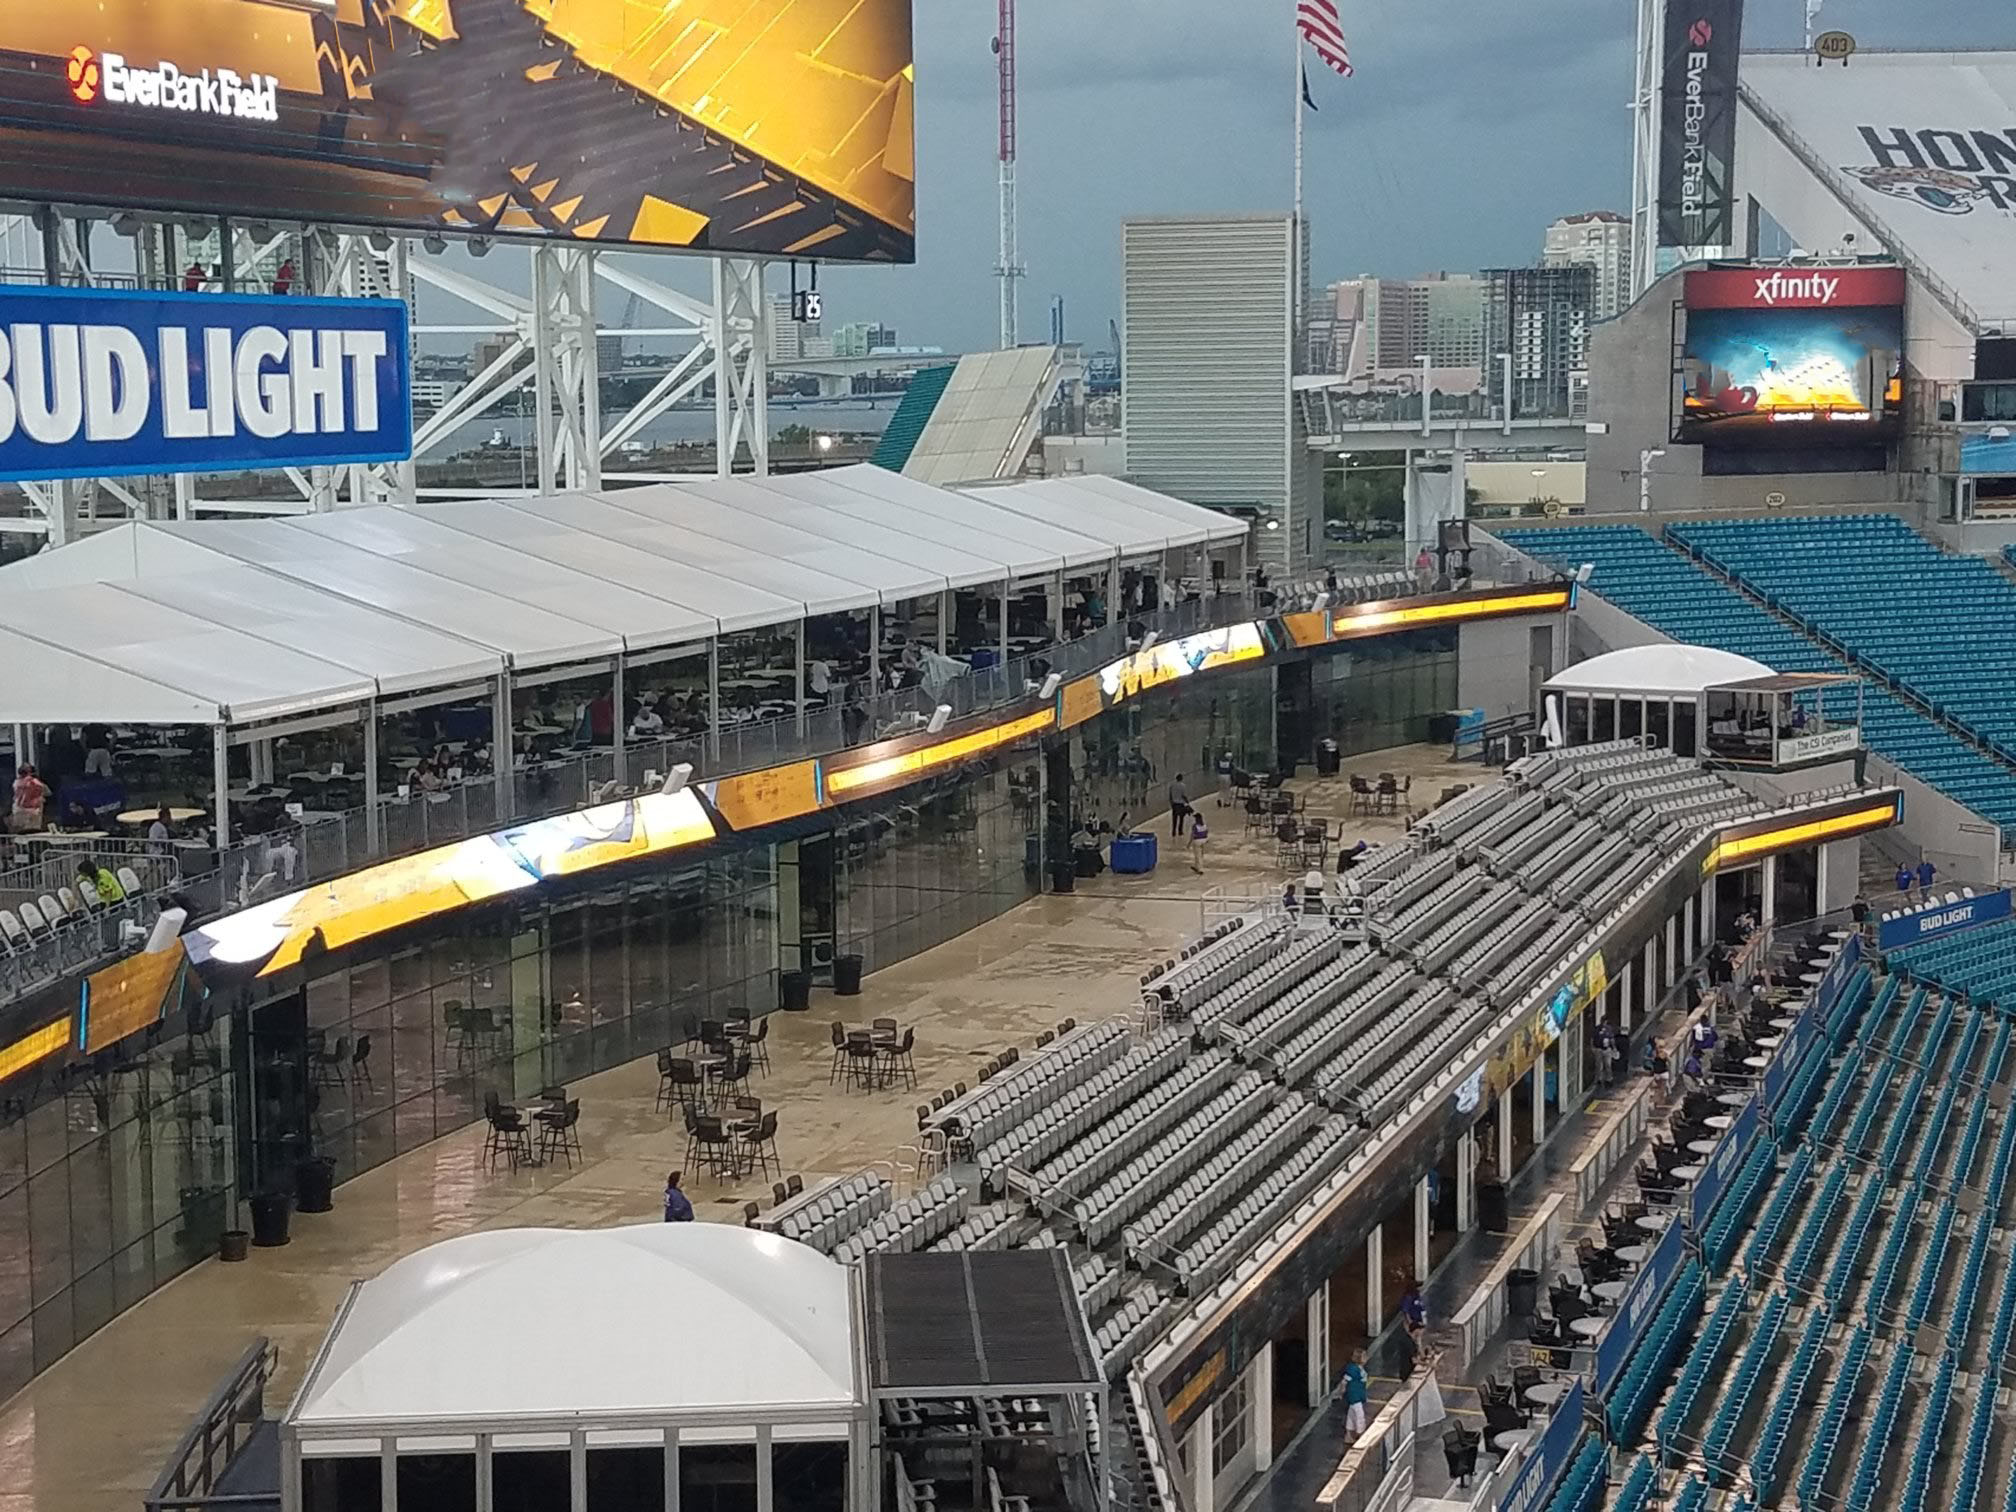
(1687,936)
(1539,1075)
(1507,1106)
(1770,916)
(1708,912)
(373,820)
(1466,1182)
(1672,952)
(1645,149)
(1317,1322)
(220,779)
(1624,1001)
(1423,1218)
(566,377)
(1260,1392)
(741,367)
(1375,1278)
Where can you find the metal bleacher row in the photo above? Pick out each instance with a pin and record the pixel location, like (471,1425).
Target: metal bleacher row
(1676,596)
(1857,1356)
(1160,1150)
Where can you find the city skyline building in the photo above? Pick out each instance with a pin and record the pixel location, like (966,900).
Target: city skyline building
(1541,317)
(1598,239)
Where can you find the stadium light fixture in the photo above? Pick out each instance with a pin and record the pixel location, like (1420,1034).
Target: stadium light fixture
(479,246)
(434,242)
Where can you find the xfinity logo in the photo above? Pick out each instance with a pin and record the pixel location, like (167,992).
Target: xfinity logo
(163,86)
(1945,918)
(1781,285)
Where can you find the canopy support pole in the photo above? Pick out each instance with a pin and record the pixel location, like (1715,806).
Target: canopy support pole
(1057,606)
(874,649)
(801,678)
(1112,590)
(946,601)
(220,783)
(714,697)
(373,820)
(503,757)
(619,723)
(1006,585)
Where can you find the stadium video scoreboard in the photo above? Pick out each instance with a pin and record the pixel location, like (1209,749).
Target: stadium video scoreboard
(749,127)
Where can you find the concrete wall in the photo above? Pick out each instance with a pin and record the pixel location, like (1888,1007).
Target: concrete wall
(1494,661)
(1963,845)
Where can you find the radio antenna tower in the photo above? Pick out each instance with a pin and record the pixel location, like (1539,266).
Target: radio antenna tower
(1009,268)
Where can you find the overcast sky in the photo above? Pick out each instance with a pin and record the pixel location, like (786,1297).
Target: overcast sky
(1469,125)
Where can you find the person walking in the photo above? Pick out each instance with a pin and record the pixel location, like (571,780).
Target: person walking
(1179,807)
(1414,1318)
(1198,835)
(1357,1392)
(678,1208)
(1858,911)
(1606,1052)
(31,797)
(1904,878)
(1926,872)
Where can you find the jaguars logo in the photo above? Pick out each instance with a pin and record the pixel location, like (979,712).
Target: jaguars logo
(1934,188)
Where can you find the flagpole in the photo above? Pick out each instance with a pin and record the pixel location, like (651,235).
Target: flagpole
(1295,95)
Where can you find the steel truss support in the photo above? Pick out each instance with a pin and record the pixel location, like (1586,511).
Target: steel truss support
(741,368)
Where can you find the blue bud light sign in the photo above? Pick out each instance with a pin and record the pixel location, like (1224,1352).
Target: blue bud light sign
(100,383)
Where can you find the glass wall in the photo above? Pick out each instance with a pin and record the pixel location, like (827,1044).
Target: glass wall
(1124,761)
(393,1052)
(112,1182)
(1375,694)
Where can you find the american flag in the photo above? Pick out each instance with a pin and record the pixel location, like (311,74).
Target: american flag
(1320,25)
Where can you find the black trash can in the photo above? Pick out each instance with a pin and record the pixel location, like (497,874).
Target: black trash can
(1062,877)
(1327,758)
(1522,1293)
(315,1185)
(794,990)
(272,1213)
(1492,1208)
(847,975)
(233,1245)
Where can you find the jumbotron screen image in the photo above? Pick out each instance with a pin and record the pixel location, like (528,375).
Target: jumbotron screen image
(1769,376)
(774,127)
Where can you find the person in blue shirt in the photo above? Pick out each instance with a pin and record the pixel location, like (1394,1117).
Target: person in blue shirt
(1904,879)
(677,1208)
(1414,1315)
(1357,1391)
(1926,872)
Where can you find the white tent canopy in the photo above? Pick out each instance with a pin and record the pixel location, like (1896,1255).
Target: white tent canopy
(236,620)
(1665,670)
(655,1323)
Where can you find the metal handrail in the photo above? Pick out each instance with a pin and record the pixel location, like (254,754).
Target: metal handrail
(189,1482)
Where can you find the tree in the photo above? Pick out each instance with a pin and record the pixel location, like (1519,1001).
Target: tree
(1369,486)
(795,435)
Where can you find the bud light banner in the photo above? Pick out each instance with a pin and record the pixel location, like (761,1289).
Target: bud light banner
(1638,1306)
(100,382)
(1697,123)
(1937,919)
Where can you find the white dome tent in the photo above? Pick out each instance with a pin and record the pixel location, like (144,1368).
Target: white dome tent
(620,1359)
(1653,691)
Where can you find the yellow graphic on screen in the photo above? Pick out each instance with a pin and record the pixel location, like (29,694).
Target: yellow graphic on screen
(822,88)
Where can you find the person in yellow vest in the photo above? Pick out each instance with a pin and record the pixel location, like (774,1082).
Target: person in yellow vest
(95,881)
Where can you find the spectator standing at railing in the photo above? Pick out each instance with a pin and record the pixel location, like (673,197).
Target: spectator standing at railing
(1357,1391)
(158,830)
(1926,872)
(31,797)
(1859,912)
(1904,878)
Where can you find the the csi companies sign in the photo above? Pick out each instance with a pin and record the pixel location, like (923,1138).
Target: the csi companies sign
(1946,169)
(1697,122)
(100,383)
(1794,288)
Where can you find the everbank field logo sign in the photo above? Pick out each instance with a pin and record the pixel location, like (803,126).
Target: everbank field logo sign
(1694,162)
(221,92)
